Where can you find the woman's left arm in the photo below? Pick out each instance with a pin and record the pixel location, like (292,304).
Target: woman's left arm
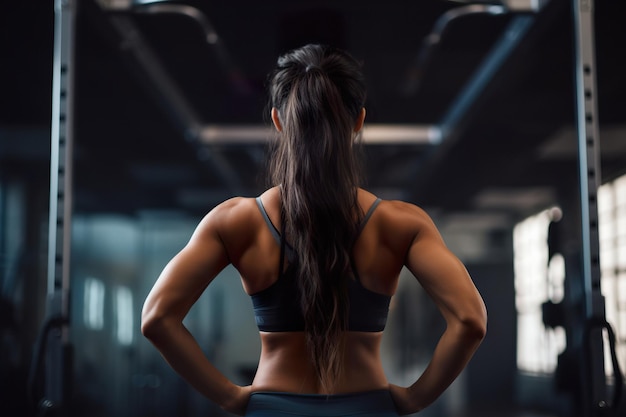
(178,287)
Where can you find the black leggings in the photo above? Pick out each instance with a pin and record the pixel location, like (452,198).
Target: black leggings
(283,404)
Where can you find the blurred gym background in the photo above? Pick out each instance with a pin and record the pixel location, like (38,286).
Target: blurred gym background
(472,114)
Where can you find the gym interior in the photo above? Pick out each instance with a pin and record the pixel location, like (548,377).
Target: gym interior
(123,122)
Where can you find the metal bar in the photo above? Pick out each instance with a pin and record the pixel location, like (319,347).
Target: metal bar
(372,134)
(465,104)
(594,379)
(140,55)
(60,215)
(135,47)
(512,36)
(433,39)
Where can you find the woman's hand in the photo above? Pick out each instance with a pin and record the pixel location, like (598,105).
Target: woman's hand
(239,402)
(401,397)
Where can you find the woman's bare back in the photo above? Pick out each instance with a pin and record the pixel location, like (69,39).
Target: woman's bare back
(284,363)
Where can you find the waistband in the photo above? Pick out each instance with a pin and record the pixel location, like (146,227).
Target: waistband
(376,403)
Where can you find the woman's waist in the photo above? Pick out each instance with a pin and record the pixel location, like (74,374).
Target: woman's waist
(299,376)
(285,364)
(376,403)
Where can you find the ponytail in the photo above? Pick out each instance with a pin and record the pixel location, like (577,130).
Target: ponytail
(319,93)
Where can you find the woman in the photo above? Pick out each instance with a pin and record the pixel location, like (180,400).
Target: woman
(320,258)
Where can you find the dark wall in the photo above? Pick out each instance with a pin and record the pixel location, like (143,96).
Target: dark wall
(490,375)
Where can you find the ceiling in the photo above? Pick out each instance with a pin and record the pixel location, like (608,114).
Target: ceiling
(168,122)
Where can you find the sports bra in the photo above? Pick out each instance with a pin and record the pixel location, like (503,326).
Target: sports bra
(277,308)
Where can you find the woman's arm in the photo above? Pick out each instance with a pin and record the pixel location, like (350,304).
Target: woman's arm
(178,287)
(446,280)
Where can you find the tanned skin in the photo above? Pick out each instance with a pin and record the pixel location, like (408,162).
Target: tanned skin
(397,235)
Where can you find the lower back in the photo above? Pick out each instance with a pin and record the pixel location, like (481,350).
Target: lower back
(285,366)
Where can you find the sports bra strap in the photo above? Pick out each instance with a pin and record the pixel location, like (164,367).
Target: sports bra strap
(288,250)
(368,215)
(273,228)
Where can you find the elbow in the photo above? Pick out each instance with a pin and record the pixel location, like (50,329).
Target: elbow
(153,324)
(476,329)
(475,326)
(471,325)
(150,326)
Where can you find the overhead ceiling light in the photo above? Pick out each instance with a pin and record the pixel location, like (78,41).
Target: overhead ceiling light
(511,5)
(520,199)
(383,134)
(126,4)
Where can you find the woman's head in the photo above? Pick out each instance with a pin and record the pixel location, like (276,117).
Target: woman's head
(317,82)
(317,95)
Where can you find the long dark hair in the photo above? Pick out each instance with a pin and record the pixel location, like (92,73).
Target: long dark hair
(319,93)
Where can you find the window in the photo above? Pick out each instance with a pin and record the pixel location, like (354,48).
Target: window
(537,280)
(93,299)
(612,230)
(124,316)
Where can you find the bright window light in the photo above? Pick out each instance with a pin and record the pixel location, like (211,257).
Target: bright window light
(93,310)
(124,315)
(612,230)
(537,280)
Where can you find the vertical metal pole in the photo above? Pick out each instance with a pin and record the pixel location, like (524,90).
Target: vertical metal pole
(594,379)
(60,220)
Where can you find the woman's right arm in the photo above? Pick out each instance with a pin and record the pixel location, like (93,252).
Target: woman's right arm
(445,279)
